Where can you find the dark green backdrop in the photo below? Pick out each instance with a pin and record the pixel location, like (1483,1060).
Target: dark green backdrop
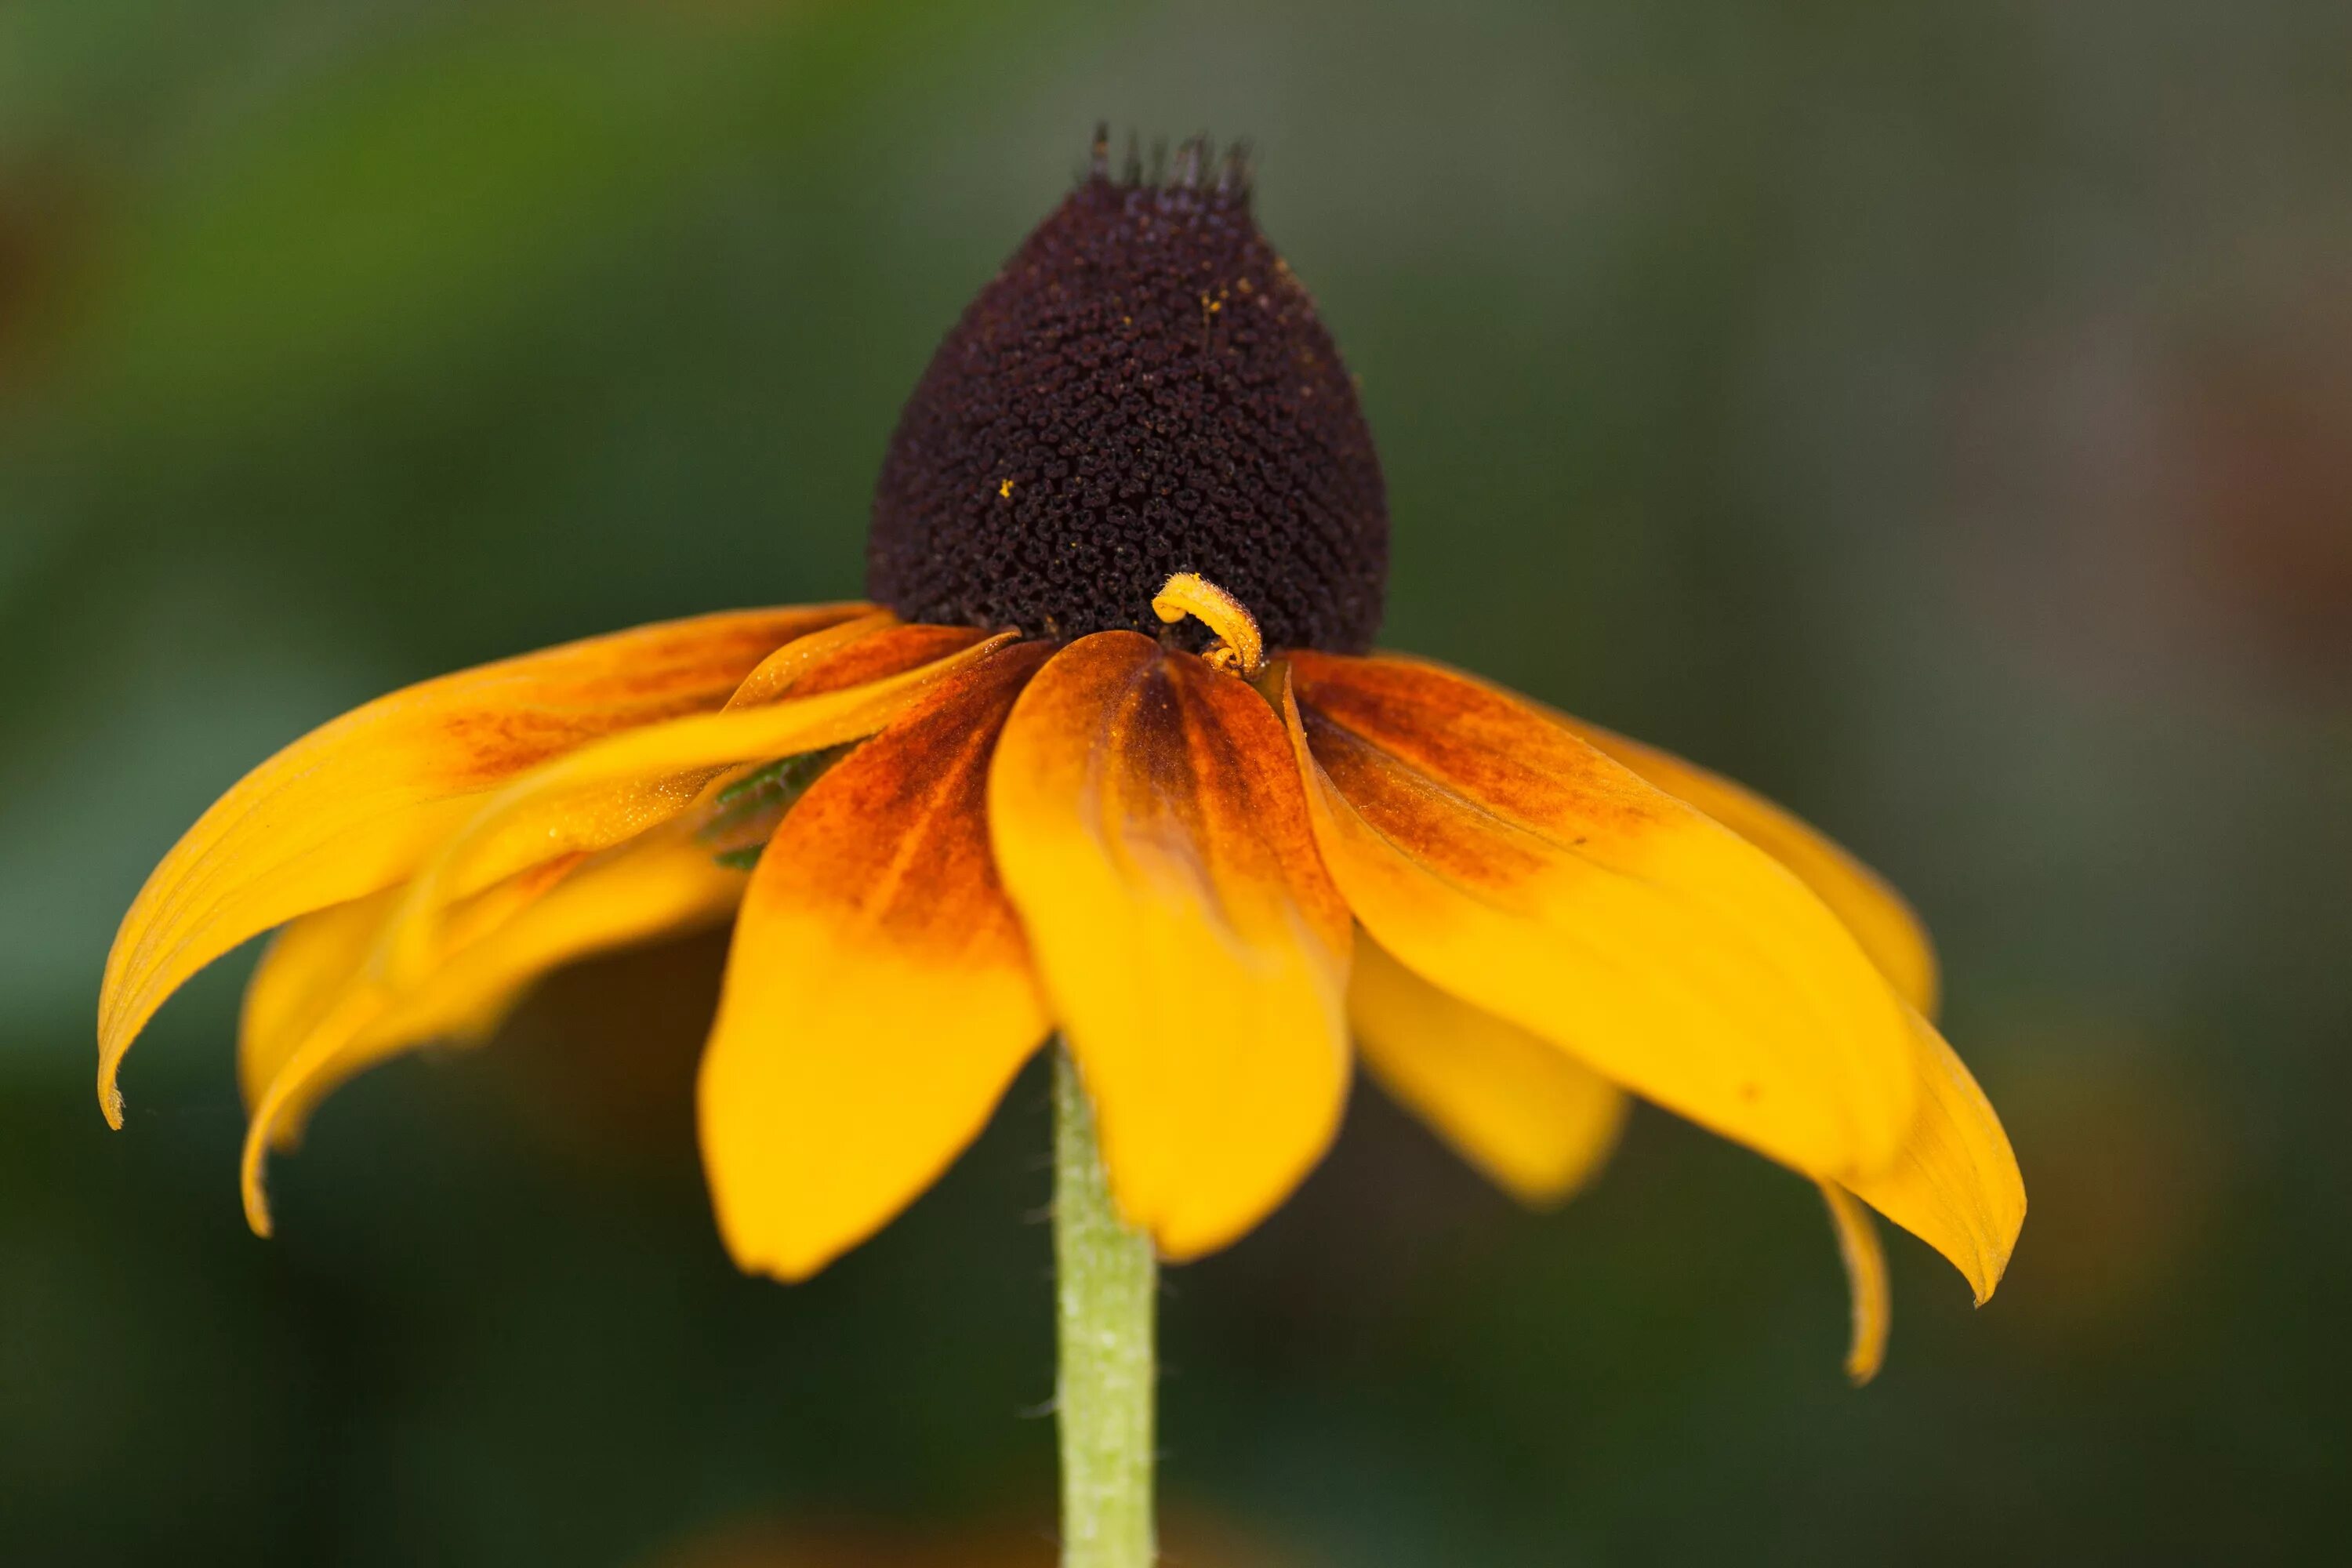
(1939,414)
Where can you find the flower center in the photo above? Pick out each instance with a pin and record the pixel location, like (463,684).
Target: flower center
(1143,391)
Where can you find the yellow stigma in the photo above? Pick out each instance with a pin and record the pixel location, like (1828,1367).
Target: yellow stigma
(1238,648)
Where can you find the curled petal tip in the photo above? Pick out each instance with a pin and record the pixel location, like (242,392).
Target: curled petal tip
(257,1196)
(1866,1283)
(110,1051)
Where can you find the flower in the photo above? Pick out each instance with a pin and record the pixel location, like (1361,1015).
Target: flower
(1107,754)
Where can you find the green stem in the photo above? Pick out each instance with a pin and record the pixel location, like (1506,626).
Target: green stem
(1106,1281)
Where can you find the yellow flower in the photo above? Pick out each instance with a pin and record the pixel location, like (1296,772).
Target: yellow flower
(1109,757)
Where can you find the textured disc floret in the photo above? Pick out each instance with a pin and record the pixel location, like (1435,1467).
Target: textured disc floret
(1143,390)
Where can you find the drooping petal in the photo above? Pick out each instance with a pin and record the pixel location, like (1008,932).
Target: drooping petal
(1536,1121)
(357,804)
(312,965)
(1955,1185)
(1866,1279)
(1150,828)
(879,996)
(1515,865)
(309,963)
(1877,914)
(498,944)
(621,786)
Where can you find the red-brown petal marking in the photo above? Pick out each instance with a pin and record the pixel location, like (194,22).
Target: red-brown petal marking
(1148,821)
(879,996)
(851,654)
(782,670)
(621,787)
(1514,864)
(886,653)
(357,804)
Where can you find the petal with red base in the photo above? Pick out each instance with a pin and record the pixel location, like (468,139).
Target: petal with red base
(1151,831)
(616,788)
(1513,865)
(878,996)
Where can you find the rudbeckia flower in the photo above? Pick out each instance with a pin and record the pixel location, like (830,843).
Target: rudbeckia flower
(1107,753)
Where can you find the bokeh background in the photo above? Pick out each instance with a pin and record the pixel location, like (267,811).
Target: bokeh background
(1939,414)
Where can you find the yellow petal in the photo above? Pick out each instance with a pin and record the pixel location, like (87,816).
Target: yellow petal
(306,967)
(357,804)
(1865,1278)
(1536,1121)
(1516,866)
(1956,1183)
(878,997)
(1150,830)
(621,786)
(498,943)
(1877,914)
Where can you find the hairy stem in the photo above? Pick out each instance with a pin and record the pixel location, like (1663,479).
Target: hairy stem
(1107,1279)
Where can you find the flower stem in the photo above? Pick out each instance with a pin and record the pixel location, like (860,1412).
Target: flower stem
(1107,1281)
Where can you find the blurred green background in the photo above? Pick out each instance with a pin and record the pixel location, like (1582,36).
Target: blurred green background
(1940,416)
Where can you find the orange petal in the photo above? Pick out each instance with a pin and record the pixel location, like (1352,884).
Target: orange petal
(1956,1183)
(357,804)
(1865,1278)
(1150,829)
(1516,866)
(790,665)
(621,786)
(498,943)
(891,649)
(879,999)
(1877,914)
(1536,1121)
